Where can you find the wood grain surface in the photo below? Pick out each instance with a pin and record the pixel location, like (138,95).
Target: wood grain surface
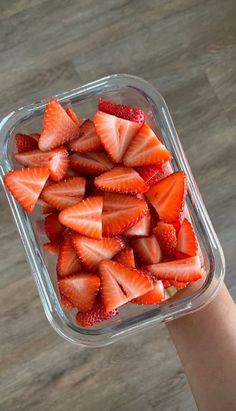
(187,50)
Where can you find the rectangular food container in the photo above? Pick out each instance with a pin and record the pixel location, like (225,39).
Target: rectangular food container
(132,318)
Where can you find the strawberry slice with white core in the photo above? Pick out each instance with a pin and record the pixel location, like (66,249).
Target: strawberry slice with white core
(145,149)
(155,296)
(126,257)
(68,261)
(168,196)
(64,194)
(186,241)
(185,270)
(90,163)
(121,180)
(66,303)
(77,120)
(91,251)
(115,134)
(84,217)
(120,110)
(26,185)
(120,212)
(120,284)
(88,139)
(142,228)
(147,249)
(58,127)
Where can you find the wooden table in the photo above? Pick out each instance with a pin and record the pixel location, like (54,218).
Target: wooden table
(187,50)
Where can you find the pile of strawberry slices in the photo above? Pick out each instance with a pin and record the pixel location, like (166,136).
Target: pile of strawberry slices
(113,217)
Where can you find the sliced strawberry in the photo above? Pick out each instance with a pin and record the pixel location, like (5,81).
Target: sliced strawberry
(120,284)
(84,217)
(94,316)
(71,173)
(147,172)
(58,128)
(115,134)
(52,247)
(35,136)
(166,237)
(91,251)
(121,180)
(25,143)
(90,163)
(126,257)
(145,149)
(186,241)
(48,209)
(120,110)
(120,212)
(155,296)
(68,261)
(155,179)
(88,139)
(166,283)
(80,289)
(66,303)
(26,185)
(64,194)
(56,160)
(147,249)
(142,228)
(53,228)
(179,284)
(177,224)
(77,120)
(186,270)
(168,196)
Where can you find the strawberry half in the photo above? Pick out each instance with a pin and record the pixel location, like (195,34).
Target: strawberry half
(121,180)
(168,196)
(155,296)
(120,110)
(80,289)
(185,270)
(53,228)
(68,261)
(58,127)
(120,284)
(115,134)
(90,163)
(84,217)
(147,249)
(94,316)
(166,237)
(186,241)
(52,247)
(24,143)
(126,257)
(142,228)
(66,303)
(120,212)
(64,194)
(91,251)
(56,160)
(77,120)
(147,172)
(88,139)
(26,185)
(145,149)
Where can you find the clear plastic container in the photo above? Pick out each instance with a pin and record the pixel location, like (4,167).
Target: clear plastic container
(132,318)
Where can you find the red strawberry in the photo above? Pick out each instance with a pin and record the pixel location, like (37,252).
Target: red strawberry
(66,303)
(121,180)
(35,136)
(91,251)
(155,296)
(58,128)
(120,212)
(186,241)
(68,261)
(77,120)
(126,257)
(142,228)
(84,217)
(166,283)
(120,110)
(94,316)
(115,134)
(25,143)
(71,173)
(65,193)
(26,185)
(53,228)
(179,284)
(80,289)
(120,284)
(47,209)
(186,270)
(145,149)
(166,237)
(88,139)
(147,172)
(56,160)
(147,249)
(52,247)
(155,179)
(168,196)
(90,163)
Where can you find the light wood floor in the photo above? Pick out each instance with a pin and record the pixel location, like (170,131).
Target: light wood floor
(185,48)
